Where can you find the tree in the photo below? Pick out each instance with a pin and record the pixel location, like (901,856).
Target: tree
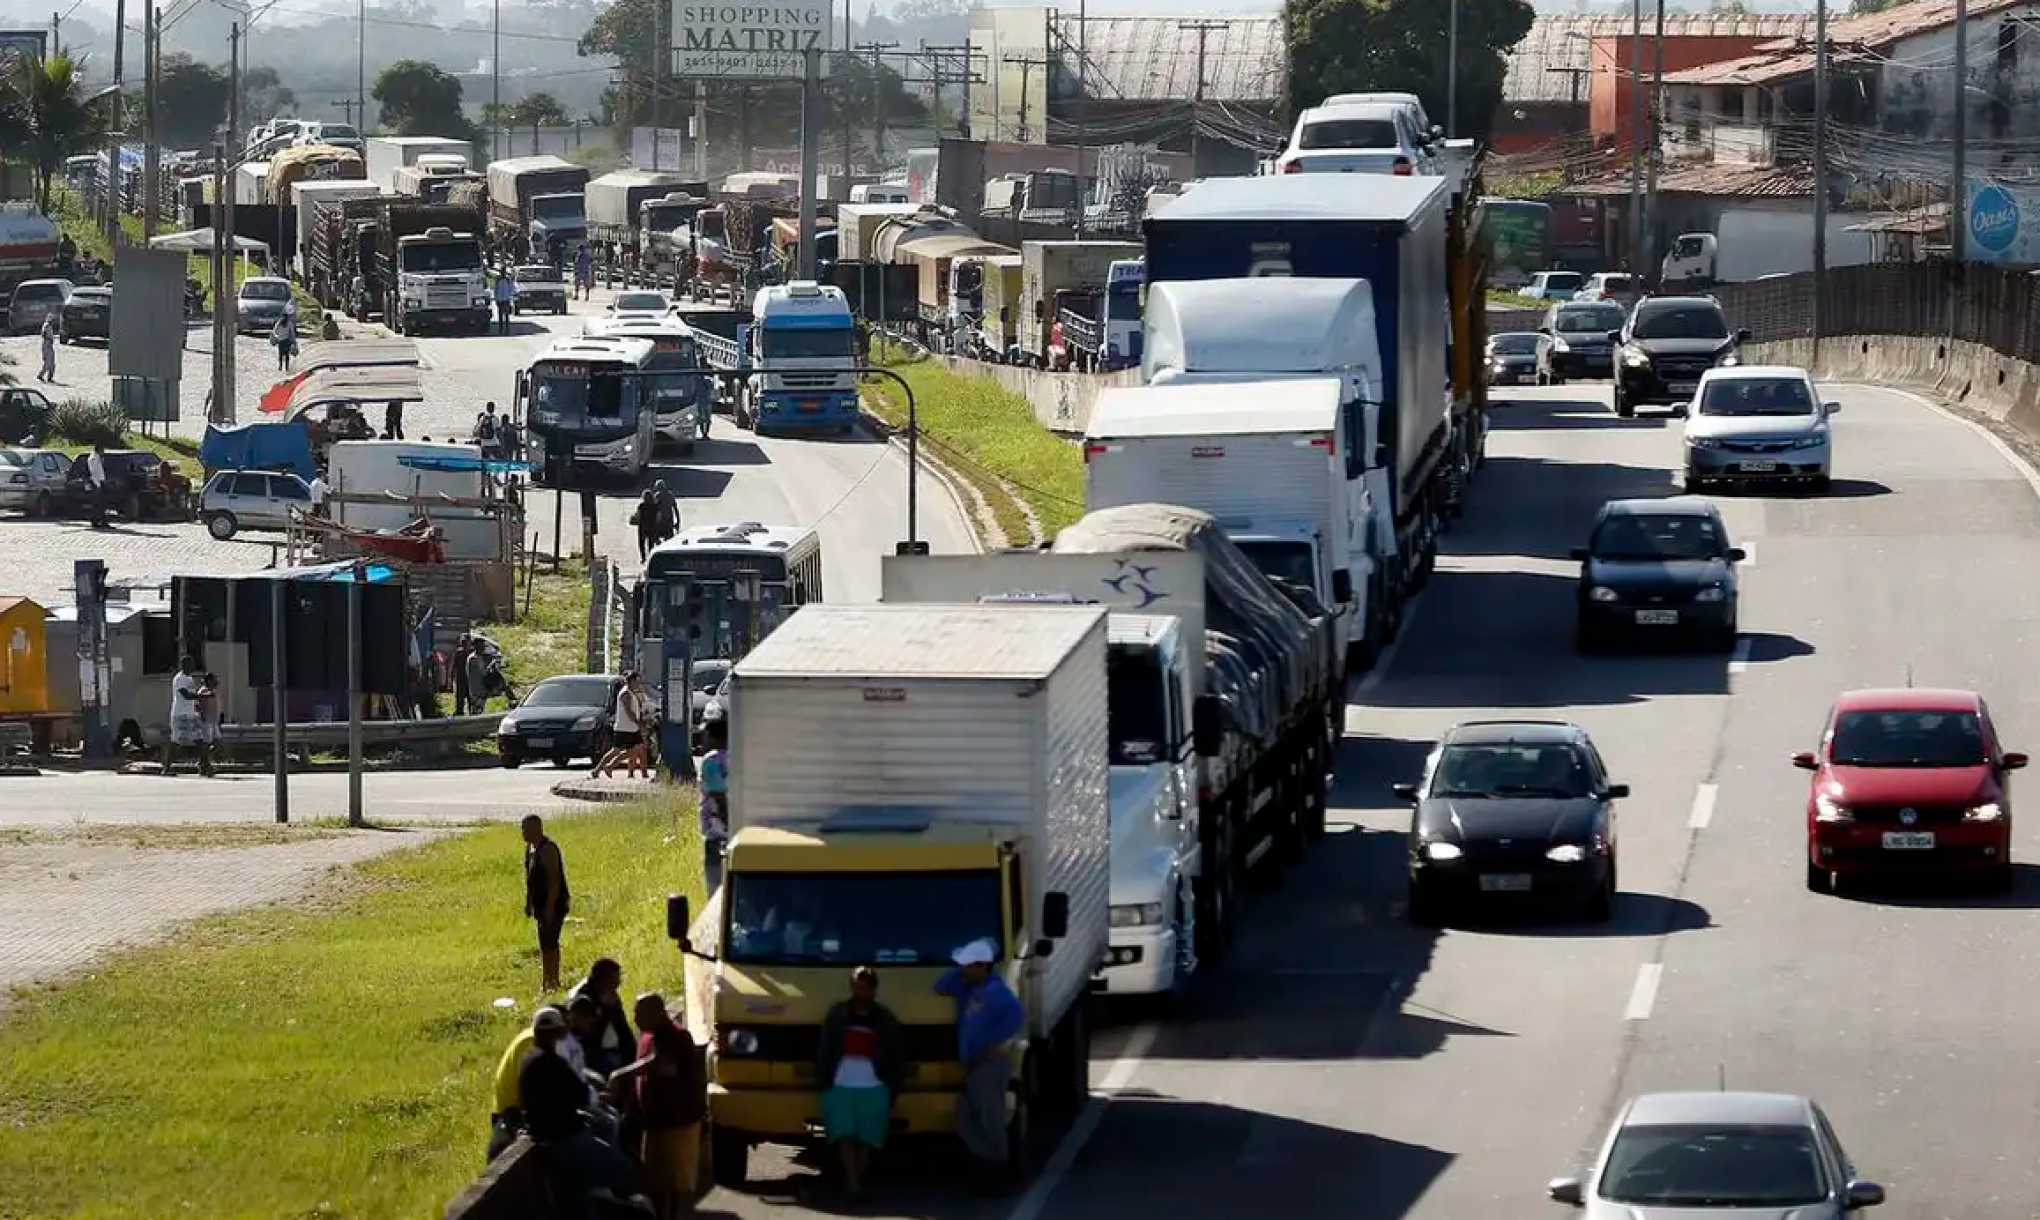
(420,99)
(538,110)
(191,101)
(44,105)
(264,96)
(1351,46)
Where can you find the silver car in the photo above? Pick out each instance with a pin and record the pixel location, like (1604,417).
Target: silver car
(1765,1156)
(32,480)
(1759,424)
(260,302)
(34,300)
(234,500)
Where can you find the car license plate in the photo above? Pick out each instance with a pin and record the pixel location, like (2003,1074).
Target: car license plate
(1657,618)
(1505,883)
(1908,840)
(1684,387)
(540,743)
(1759,467)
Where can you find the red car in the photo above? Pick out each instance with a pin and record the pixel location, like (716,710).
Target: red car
(1907,780)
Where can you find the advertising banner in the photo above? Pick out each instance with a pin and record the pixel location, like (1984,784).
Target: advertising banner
(750,41)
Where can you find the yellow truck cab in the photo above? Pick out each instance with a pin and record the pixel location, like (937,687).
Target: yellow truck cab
(898,776)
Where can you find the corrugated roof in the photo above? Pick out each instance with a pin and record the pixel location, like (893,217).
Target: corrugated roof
(1155,58)
(1542,66)
(1880,30)
(1732,181)
(1762,68)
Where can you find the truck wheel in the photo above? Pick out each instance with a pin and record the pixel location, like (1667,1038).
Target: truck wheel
(1079,1060)
(729,1157)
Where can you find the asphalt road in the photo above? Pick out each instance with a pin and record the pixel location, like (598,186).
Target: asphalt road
(1346,1064)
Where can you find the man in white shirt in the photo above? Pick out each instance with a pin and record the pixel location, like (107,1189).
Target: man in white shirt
(187,718)
(95,474)
(319,494)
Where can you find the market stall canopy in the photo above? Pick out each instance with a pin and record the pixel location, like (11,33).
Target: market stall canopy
(200,241)
(348,370)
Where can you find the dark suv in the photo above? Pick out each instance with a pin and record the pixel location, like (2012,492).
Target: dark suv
(1573,340)
(1668,342)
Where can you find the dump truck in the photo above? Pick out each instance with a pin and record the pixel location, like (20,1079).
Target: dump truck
(310,199)
(1050,267)
(428,268)
(537,211)
(913,779)
(309,163)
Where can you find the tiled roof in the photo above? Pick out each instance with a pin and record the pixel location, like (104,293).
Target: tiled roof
(1541,68)
(1762,68)
(1894,24)
(1155,58)
(1731,181)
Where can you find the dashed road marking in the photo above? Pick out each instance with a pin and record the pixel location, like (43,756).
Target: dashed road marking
(1643,996)
(1703,806)
(1739,660)
(1749,550)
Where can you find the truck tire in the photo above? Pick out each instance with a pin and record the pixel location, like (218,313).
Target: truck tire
(1214,894)
(729,1157)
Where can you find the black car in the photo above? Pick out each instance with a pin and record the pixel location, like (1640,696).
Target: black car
(1511,359)
(88,314)
(140,486)
(1574,340)
(1658,568)
(1512,810)
(1664,348)
(562,718)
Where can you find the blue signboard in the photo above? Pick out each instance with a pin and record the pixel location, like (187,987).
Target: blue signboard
(2003,223)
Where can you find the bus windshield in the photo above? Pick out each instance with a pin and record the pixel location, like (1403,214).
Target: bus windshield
(834,343)
(568,398)
(675,357)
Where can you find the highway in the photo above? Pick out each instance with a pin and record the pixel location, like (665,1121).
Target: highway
(1347,1064)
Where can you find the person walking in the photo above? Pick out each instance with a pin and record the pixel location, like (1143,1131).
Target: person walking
(988,1016)
(49,350)
(506,300)
(715,801)
(393,420)
(187,718)
(627,736)
(284,337)
(477,668)
(319,491)
(861,1068)
(461,648)
(669,510)
(670,1083)
(96,484)
(584,271)
(646,518)
(547,899)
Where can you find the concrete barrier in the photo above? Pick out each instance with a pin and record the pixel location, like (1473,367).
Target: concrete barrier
(1062,402)
(1967,375)
(513,1187)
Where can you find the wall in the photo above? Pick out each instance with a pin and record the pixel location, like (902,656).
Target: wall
(1542,124)
(1062,402)
(1913,94)
(1617,99)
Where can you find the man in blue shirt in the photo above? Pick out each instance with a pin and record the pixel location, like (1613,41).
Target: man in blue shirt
(988,1016)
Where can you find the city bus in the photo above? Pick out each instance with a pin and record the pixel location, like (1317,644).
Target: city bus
(1518,233)
(683,395)
(718,563)
(586,408)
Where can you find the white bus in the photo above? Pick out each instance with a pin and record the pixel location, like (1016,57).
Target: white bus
(587,406)
(719,565)
(683,396)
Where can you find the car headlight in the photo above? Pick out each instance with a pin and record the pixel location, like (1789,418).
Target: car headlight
(1702,442)
(1827,809)
(1636,357)
(1712,593)
(505,728)
(1570,853)
(1812,440)
(737,1042)
(1137,915)
(1560,345)
(585,723)
(1601,593)
(1989,812)
(1729,361)
(1442,851)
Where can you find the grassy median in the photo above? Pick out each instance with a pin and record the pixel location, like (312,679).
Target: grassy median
(989,437)
(333,1057)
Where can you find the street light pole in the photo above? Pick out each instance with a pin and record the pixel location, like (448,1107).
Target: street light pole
(1452,74)
(1635,139)
(1820,174)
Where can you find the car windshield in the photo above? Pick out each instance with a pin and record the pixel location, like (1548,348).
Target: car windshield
(29,293)
(265,290)
(1597,320)
(12,457)
(1756,396)
(1615,283)
(849,919)
(1712,1166)
(1907,739)
(1564,281)
(569,692)
(1514,345)
(781,344)
(1546,770)
(1349,133)
(1679,322)
(709,674)
(640,302)
(1635,536)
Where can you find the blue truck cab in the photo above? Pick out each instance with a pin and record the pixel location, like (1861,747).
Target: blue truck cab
(803,342)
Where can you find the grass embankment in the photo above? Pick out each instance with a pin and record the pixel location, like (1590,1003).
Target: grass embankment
(553,637)
(330,1058)
(1031,479)
(1511,300)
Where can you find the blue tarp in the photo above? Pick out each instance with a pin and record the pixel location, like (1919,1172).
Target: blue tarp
(284,445)
(338,573)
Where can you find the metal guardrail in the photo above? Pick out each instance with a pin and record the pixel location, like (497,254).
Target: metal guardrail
(443,732)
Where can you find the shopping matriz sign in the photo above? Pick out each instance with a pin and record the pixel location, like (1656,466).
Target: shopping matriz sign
(757,41)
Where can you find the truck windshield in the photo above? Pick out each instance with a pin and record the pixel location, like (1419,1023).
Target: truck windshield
(1137,702)
(848,919)
(807,344)
(568,400)
(443,257)
(1290,561)
(668,216)
(556,207)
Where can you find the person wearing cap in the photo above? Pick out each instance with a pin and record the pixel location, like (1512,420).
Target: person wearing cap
(508,1119)
(553,1099)
(861,1068)
(988,1016)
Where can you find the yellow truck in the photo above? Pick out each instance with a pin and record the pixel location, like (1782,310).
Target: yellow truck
(905,780)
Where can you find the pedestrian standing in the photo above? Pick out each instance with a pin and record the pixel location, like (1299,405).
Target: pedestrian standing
(646,518)
(49,350)
(988,1016)
(477,679)
(393,420)
(715,801)
(187,718)
(670,1080)
(628,735)
(508,439)
(506,300)
(461,649)
(284,336)
(319,492)
(584,270)
(546,896)
(209,713)
(861,1068)
(97,489)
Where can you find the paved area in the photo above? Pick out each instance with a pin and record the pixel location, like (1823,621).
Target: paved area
(57,799)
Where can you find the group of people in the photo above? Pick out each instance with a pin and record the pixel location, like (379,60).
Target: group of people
(194,718)
(479,671)
(497,435)
(657,518)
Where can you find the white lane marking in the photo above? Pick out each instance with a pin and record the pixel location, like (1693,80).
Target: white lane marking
(1703,806)
(1739,660)
(1117,1077)
(1749,550)
(1643,996)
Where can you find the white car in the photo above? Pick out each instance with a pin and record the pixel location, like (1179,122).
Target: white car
(1553,286)
(628,307)
(1358,137)
(1759,423)
(1610,286)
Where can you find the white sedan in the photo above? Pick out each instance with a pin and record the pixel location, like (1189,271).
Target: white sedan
(637,306)
(1759,423)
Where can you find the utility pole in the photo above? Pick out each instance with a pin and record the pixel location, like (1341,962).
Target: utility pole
(1635,138)
(1958,184)
(701,129)
(1203,31)
(810,156)
(1027,67)
(234,88)
(1657,145)
(496,149)
(660,13)
(56,33)
(937,61)
(361,62)
(877,52)
(1083,107)
(114,177)
(848,64)
(346,105)
(152,152)
(1452,74)
(1820,173)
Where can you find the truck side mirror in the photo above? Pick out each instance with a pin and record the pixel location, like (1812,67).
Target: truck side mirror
(1207,726)
(677,919)
(1742,336)
(1614,336)
(1342,585)
(1055,915)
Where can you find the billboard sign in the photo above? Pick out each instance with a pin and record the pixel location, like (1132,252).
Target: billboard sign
(748,40)
(32,43)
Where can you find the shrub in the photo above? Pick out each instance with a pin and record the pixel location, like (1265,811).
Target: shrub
(82,421)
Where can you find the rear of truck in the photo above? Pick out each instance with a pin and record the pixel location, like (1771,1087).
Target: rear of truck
(905,780)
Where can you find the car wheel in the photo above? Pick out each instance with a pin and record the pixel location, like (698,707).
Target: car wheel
(511,761)
(1601,903)
(221,526)
(1556,377)
(1425,909)
(1821,485)
(563,761)
(1585,639)
(43,506)
(1694,484)
(1819,880)
(1999,879)
(1726,639)
(1623,407)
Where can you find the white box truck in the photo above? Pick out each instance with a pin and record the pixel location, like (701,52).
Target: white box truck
(1267,459)
(905,780)
(388,154)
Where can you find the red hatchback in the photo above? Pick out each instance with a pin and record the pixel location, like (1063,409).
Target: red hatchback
(1906,780)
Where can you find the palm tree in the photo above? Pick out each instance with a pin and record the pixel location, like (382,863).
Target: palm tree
(44,102)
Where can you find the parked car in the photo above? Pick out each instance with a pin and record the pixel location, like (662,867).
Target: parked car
(709,677)
(260,302)
(88,314)
(1610,286)
(1554,285)
(32,480)
(34,300)
(144,487)
(234,500)
(24,416)
(539,287)
(562,718)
